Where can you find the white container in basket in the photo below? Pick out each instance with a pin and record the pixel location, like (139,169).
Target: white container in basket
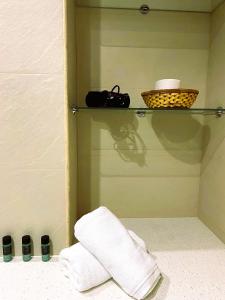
(170,84)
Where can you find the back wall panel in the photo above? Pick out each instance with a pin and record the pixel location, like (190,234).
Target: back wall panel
(139,167)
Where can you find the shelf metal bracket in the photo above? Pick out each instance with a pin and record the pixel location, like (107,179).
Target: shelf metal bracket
(141,113)
(219,112)
(144,9)
(75,110)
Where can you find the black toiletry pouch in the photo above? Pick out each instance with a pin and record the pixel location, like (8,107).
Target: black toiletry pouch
(108,98)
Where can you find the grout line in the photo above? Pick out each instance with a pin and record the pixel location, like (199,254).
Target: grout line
(35,74)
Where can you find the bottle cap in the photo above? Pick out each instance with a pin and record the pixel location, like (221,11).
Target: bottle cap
(45,239)
(26,239)
(6,240)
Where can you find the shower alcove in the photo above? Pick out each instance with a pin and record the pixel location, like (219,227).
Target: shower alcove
(161,172)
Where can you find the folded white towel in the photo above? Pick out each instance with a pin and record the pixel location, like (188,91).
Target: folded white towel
(101,233)
(83,269)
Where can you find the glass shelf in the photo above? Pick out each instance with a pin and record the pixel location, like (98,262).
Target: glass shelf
(142,111)
(202,6)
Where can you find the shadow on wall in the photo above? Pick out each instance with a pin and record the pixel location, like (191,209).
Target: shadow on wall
(123,127)
(180,132)
(104,133)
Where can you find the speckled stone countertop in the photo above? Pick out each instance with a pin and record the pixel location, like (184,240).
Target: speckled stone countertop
(190,256)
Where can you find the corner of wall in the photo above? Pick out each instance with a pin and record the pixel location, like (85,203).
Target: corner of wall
(212,204)
(69,24)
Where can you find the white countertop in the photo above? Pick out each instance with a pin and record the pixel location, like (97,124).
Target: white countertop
(190,256)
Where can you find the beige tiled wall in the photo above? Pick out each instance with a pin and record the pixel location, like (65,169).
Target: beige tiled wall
(33,198)
(212,192)
(140,167)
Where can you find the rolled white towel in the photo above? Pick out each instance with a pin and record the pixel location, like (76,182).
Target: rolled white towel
(102,233)
(83,269)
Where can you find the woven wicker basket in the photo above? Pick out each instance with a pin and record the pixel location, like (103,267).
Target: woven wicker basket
(176,98)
